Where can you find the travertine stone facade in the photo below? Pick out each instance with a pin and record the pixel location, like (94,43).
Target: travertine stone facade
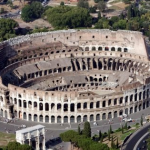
(74,75)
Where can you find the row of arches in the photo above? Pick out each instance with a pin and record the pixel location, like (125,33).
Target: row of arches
(79,118)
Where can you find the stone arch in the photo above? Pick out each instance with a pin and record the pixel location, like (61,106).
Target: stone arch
(46,107)
(85,118)
(52,119)
(113,49)
(72,120)
(78,106)
(103,116)
(120,112)
(97,117)
(131,110)
(115,114)
(40,106)
(78,119)
(92,117)
(86,48)
(41,118)
(131,98)
(58,106)
(100,48)
(85,105)
(65,119)
(24,115)
(97,104)
(30,117)
(144,95)
(135,109)
(104,104)
(58,119)
(35,117)
(93,48)
(91,105)
(2,112)
(140,107)
(46,118)
(126,111)
(109,115)
(140,95)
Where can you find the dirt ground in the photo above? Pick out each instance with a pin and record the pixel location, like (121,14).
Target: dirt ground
(18,5)
(37,23)
(121,5)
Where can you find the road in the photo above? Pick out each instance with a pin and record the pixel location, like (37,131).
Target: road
(53,130)
(134,138)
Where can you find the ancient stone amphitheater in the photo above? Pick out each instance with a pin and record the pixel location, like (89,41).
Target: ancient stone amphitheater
(74,76)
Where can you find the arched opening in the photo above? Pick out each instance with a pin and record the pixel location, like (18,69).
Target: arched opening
(78,119)
(72,119)
(79,106)
(120,112)
(115,114)
(126,111)
(46,107)
(84,105)
(41,118)
(109,115)
(58,106)
(72,107)
(65,119)
(35,117)
(97,117)
(91,105)
(112,49)
(46,118)
(93,48)
(24,116)
(52,119)
(59,119)
(135,97)
(40,106)
(30,117)
(91,117)
(119,49)
(104,104)
(84,118)
(97,104)
(135,109)
(87,49)
(100,48)
(131,110)
(52,106)
(104,116)
(140,107)
(140,95)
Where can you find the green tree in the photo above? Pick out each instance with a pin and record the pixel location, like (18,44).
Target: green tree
(117,143)
(79,131)
(110,129)
(141,121)
(112,143)
(17,146)
(126,126)
(101,140)
(87,129)
(109,135)
(33,11)
(62,3)
(68,17)
(83,4)
(100,134)
(101,6)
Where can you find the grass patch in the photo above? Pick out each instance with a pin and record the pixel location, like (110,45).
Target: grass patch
(123,136)
(5,138)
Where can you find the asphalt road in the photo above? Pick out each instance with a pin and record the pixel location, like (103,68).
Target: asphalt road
(53,130)
(130,144)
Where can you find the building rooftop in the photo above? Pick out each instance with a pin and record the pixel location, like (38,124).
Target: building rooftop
(29,129)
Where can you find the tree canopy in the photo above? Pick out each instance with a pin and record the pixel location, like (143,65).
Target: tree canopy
(68,17)
(17,146)
(31,12)
(87,129)
(7,28)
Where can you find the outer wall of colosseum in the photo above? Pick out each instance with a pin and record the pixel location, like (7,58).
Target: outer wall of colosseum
(74,75)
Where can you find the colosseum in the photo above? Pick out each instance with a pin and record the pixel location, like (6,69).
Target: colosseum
(72,76)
